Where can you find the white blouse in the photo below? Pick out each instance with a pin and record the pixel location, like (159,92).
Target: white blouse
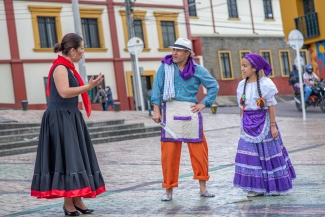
(268,90)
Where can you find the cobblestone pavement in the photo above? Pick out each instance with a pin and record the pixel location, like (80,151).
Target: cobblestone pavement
(133,174)
(283,109)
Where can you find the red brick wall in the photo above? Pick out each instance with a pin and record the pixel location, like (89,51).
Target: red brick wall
(228,88)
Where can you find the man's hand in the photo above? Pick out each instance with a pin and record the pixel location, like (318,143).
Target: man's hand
(197,107)
(156,116)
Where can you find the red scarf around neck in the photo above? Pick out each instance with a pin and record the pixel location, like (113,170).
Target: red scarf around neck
(63,61)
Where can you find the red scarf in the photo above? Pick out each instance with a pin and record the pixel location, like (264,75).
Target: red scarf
(63,61)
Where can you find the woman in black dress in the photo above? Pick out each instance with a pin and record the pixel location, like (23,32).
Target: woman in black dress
(66,164)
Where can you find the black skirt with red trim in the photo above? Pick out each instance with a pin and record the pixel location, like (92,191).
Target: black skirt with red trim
(66,164)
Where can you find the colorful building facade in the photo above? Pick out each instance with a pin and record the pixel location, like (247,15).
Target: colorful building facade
(229,29)
(221,31)
(308,17)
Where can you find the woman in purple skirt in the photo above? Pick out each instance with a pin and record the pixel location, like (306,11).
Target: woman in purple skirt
(262,165)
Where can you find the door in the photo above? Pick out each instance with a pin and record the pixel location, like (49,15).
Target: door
(147,78)
(146,90)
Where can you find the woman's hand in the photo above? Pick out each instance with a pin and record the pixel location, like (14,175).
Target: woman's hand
(94,82)
(274,132)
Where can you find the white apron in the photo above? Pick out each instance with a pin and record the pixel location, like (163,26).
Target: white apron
(188,126)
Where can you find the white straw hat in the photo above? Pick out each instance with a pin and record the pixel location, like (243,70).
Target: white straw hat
(183,44)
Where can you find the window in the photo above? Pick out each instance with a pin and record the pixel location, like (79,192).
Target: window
(303,54)
(92,29)
(168,33)
(268,11)
(47,31)
(225,65)
(284,57)
(232,8)
(90,32)
(92,92)
(167,27)
(191,8)
(46,27)
(267,55)
(309,6)
(242,53)
(140,29)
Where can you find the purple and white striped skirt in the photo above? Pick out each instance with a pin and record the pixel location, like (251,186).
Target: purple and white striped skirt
(262,166)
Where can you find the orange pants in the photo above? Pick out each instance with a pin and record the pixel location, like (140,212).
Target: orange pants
(171,156)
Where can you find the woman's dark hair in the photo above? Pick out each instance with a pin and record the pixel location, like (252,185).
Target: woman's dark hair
(69,41)
(258,89)
(243,98)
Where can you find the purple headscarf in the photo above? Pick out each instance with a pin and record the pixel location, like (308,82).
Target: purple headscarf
(188,70)
(259,63)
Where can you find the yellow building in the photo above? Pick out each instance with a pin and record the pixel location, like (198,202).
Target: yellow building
(307,16)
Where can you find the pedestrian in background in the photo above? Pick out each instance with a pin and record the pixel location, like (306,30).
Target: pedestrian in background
(110,101)
(293,77)
(66,164)
(262,164)
(101,96)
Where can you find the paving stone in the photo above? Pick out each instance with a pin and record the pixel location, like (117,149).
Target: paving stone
(133,175)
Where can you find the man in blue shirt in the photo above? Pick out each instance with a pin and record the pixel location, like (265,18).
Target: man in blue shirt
(176,84)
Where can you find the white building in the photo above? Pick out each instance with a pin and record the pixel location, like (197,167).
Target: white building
(236,17)
(221,31)
(31,27)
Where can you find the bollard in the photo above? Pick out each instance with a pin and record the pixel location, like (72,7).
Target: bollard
(149,107)
(116,106)
(214,109)
(24,103)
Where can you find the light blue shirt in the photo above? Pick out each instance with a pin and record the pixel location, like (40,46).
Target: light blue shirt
(186,90)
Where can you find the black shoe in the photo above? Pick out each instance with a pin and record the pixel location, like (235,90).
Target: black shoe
(84,211)
(66,212)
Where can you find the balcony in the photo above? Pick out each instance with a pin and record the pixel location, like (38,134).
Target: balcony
(308,25)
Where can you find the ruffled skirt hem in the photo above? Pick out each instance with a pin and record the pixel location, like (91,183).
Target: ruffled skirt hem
(263,167)
(66,163)
(55,193)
